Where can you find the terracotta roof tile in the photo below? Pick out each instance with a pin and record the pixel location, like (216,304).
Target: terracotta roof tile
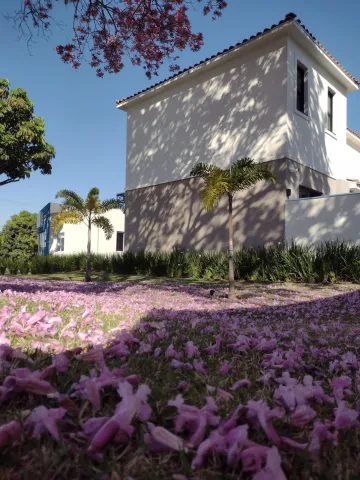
(290,17)
(354,133)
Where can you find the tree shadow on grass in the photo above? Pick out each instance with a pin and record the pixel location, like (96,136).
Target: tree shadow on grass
(194,288)
(53,459)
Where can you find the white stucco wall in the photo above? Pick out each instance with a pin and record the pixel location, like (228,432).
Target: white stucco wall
(309,141)
(243,104)
(309,221)
(236,109)
(76,236)
(351,163)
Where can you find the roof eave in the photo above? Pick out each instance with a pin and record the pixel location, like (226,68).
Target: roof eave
(206,65)
(295,30)
(305,40)
(354,138)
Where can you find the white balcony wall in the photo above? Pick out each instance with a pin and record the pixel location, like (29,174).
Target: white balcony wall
(309,221)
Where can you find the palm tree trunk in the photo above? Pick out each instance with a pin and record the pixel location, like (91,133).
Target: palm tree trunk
(88,257)
(231,251)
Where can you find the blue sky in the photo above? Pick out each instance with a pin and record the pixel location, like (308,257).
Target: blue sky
(89,133)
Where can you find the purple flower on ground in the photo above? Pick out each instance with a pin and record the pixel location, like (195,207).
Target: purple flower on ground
(183,385)
(211,349)
(272,469)
(191,350)
(338,385)
(29,383)
(61,362)
(183,366)
(161,439)
(253,457)
(133,404)
(225,368)
(345,417)
(9,432)
(44,420)
(220,393)
(302,415)
(215,443)
(244,383)
(199,366)
(195,420)
(319,435)
(258,410)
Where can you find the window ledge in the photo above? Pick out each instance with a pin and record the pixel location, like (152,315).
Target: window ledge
(302,115)
(331,134)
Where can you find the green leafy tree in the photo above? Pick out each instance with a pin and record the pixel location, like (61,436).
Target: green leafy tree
(22,143)
(241,175)
(88,211)
(19,237)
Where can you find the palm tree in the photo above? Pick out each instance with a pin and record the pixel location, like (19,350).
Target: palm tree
(241,175)
(90,212)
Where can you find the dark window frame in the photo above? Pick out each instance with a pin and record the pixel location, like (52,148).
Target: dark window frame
(301,88)
(330,111)
(306,192)
(119,248)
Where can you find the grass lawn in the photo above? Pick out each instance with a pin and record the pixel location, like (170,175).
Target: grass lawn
(112,277)
(137,378)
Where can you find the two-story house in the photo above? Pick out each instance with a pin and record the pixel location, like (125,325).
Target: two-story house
(278,97)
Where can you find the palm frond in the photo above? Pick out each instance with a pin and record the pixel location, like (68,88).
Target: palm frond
(71,198)
(110,204)
(203,170)
(245,173)
(105,225)
(65,216)
(216,184)
(92,202)
(121,199)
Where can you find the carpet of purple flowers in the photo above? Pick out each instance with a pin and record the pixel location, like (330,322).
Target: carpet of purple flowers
(162,380)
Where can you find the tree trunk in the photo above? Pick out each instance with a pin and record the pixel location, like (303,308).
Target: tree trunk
(88,258)
(232,295)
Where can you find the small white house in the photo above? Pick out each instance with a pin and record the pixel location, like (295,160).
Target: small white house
(73,238)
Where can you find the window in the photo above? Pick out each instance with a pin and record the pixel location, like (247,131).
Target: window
(330,111)
(119,241)
(305,192)
(60,242)
(302,89)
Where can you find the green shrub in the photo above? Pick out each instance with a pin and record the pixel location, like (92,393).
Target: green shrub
(327,262)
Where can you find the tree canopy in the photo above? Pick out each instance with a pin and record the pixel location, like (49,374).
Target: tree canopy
(241,175)
(18,238)
(105,32)
(22,144)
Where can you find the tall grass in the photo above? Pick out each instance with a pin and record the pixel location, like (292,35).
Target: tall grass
(327,262)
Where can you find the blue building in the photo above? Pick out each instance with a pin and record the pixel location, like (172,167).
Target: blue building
(44,227)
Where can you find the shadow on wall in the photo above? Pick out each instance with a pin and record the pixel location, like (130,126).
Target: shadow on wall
(315,220)
(171,215)
(238,109)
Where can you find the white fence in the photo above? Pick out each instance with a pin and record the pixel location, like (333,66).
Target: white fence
(332,217)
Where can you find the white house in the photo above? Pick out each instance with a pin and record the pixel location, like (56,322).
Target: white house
(278,97)
(73,238)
